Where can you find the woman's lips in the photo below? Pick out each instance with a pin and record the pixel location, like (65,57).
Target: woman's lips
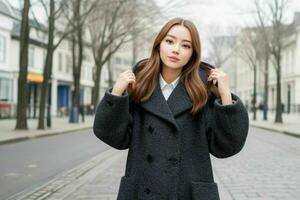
(173,59)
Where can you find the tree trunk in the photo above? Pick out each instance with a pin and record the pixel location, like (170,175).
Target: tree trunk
(278,117)
(266,91)
(134,49)
(254,93)
(110,74)
(96,88)
(47,69)
(77,37)
(22,80)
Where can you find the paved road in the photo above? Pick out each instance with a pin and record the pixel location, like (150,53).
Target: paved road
(27,164)
(266,169)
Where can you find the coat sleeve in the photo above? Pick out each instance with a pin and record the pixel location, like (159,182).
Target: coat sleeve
(113,120)
(227,126)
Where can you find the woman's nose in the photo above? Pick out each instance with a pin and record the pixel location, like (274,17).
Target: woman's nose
(176,48)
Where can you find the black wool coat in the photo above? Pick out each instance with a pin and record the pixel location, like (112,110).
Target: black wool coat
(169,149)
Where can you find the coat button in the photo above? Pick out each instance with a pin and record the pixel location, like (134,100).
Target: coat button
(174,131)
(109,103)
(129,129)
(173,160)
(149,158)
(150,128)
(147,190)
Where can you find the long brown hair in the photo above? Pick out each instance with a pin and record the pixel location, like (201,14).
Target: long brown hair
(147,74)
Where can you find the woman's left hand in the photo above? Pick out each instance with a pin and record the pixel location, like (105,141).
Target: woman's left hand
(218,75)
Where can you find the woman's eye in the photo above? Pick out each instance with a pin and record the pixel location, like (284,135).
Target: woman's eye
(169,41)
(186,46)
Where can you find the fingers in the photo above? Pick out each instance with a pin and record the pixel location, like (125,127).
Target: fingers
(133,85)
(215,74)
(214,82)
(130,78)
(128,74)
(128,71)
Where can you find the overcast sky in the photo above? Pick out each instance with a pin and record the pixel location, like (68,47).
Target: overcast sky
(228,15)
(225,14)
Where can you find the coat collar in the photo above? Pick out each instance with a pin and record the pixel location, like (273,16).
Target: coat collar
(177,103)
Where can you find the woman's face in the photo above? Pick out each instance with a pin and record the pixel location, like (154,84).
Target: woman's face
(176,48)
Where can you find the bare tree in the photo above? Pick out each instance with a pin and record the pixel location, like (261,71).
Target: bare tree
(256,38)
(122,21)
(271,18)
(250,50)
(220,45)
(22,80)
(216,42)
(53,10)
(76,16)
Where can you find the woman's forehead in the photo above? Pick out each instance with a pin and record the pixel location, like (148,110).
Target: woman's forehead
(180,32)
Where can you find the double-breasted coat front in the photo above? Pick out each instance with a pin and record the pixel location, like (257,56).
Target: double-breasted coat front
(169,149)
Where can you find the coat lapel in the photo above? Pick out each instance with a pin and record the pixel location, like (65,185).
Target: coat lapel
(177,103)
(157,105)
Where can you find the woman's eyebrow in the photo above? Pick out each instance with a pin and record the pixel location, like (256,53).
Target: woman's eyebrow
(172,36)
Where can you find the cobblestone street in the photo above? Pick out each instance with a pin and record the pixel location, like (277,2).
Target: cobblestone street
(266,169)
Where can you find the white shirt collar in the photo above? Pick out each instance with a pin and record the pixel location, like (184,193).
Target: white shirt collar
(163,83)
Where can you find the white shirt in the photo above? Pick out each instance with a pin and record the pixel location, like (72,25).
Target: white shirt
(166,88)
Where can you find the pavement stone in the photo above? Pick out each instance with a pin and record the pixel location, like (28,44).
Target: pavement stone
(290,125)
(265,169)
(59,126)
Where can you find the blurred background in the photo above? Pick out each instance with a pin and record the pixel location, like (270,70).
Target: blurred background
(57,58)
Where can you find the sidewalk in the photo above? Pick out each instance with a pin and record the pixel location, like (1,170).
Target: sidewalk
(98,178)
(290,125)
(58,125)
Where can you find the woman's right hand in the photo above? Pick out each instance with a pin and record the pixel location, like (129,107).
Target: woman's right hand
(125,78)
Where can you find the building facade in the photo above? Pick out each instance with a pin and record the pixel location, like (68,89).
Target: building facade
(241,76)
(61,79)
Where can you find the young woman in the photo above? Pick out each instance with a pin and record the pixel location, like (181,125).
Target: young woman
(171,112)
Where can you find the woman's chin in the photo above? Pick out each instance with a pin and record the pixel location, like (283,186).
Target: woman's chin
(173,65)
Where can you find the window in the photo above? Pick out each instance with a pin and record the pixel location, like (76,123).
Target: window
(118,60)
(292,60)
(83,72)
(31,57)
(86,57)
(44,56)
(68,64)
(287,62)
(60,62)
(69,43)
(126,62)
(2,49)
(5,89)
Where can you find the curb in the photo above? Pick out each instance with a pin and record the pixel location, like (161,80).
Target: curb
(69,181)
(275,130)
(38,135)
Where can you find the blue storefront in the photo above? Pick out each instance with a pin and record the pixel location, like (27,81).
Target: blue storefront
(63,99)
